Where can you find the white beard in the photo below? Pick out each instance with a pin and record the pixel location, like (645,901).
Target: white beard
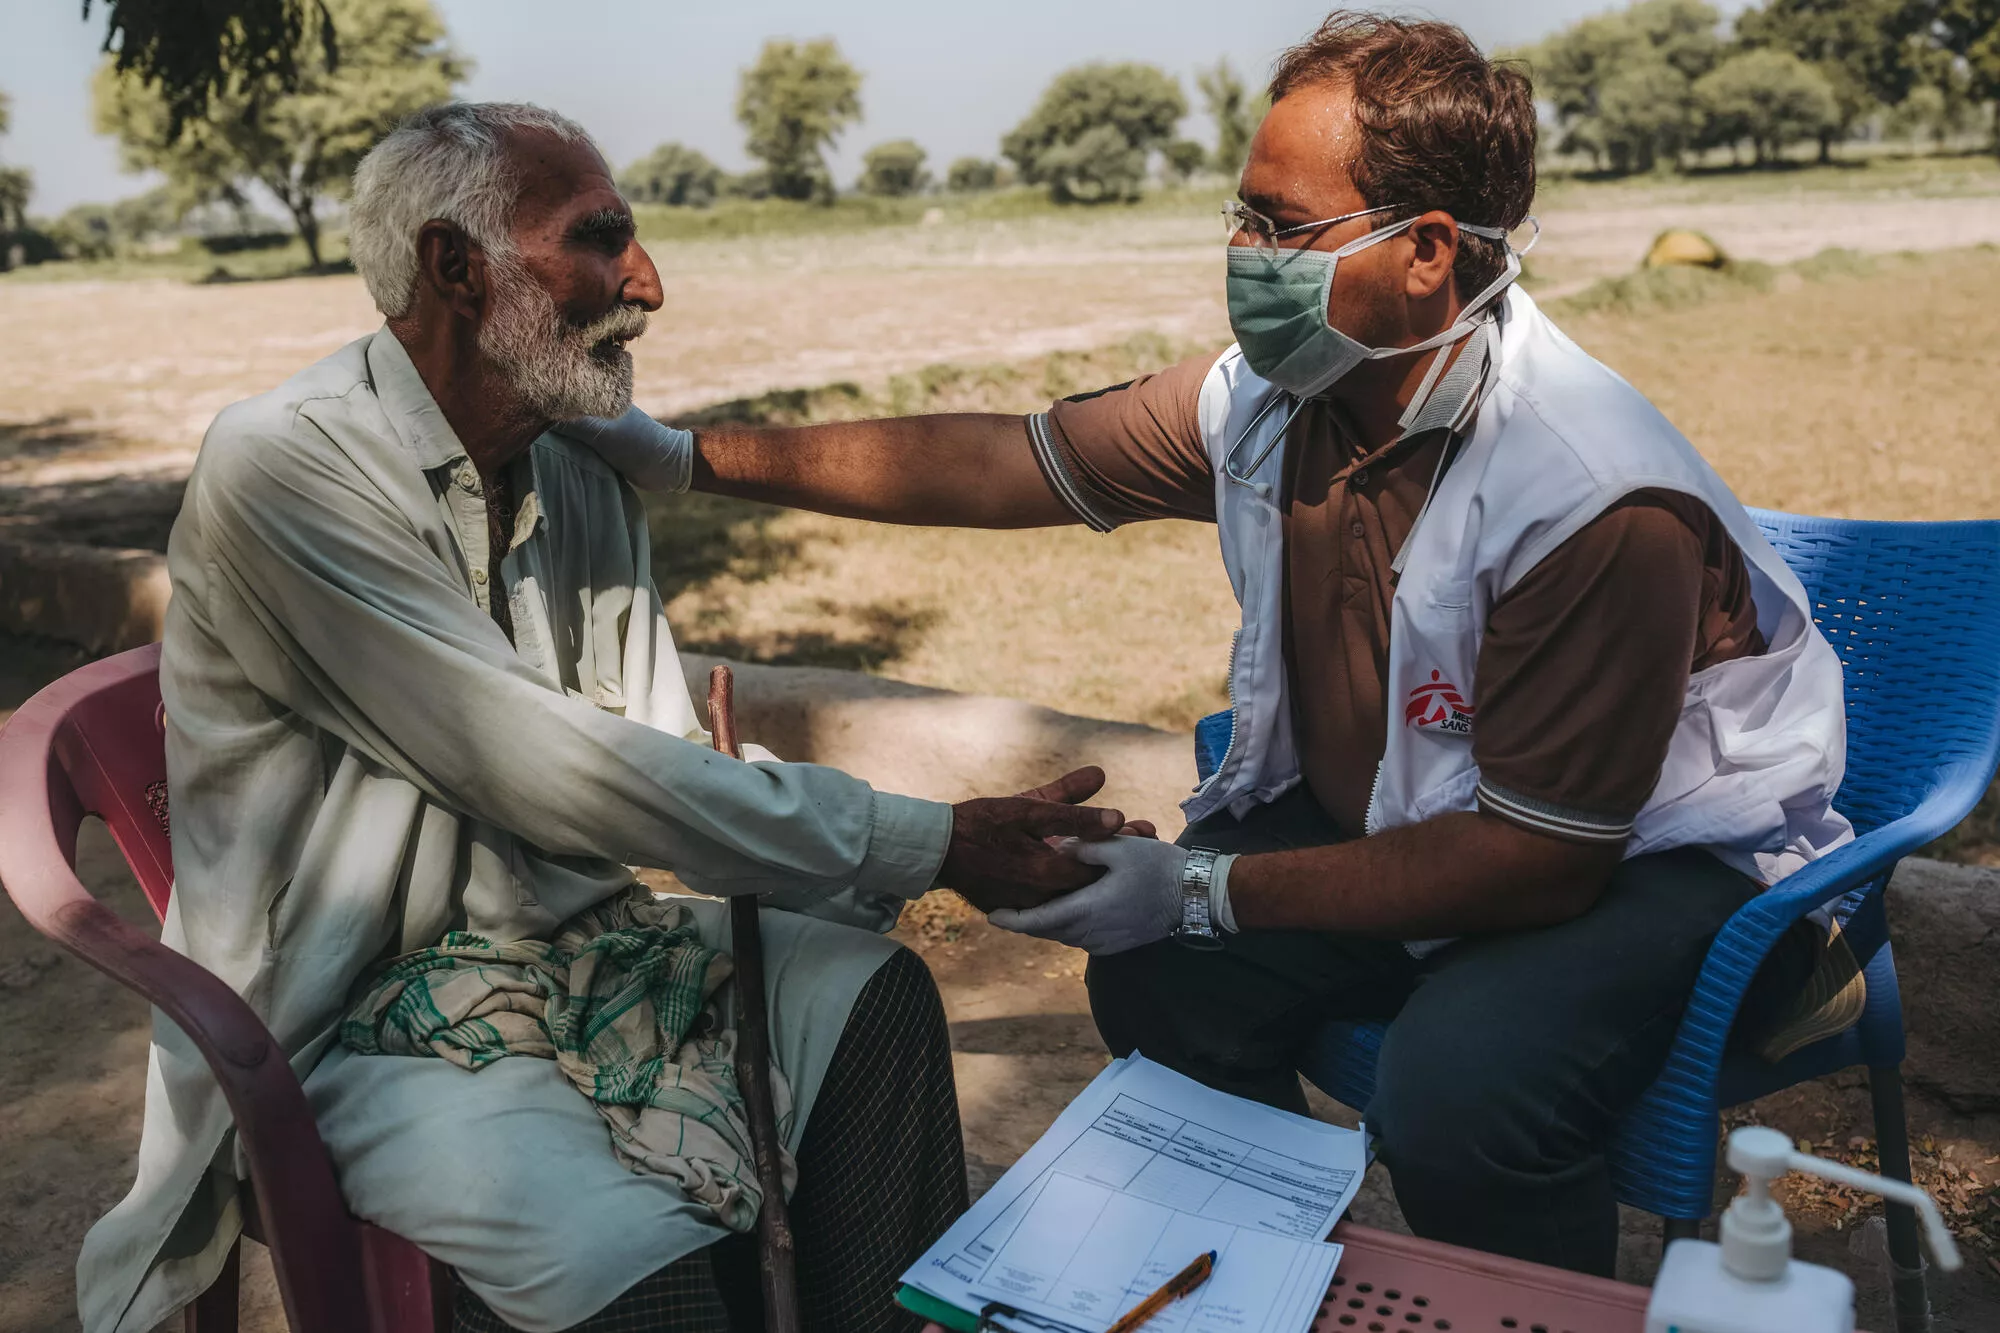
(561,370)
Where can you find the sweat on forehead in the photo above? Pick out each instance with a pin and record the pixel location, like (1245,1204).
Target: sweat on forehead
(1301,163)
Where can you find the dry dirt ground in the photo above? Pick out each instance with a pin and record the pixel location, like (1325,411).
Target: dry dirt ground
(71,1088)
(1861,395)
(1869,395)
(1865,395)
(148,363)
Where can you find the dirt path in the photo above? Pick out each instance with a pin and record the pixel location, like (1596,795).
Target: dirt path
(1585,244)
(125,376)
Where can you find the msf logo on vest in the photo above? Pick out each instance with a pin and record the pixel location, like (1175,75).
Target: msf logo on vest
(1438,706)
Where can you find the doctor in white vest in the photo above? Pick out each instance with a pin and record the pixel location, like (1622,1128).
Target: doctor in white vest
(1532,954)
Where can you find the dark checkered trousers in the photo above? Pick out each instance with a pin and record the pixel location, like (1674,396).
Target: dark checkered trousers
(881,1175)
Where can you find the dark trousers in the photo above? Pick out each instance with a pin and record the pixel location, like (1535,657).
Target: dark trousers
(881,1176)
(1508,1057)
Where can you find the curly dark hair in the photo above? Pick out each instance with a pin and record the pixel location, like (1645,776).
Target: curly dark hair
(1442,126)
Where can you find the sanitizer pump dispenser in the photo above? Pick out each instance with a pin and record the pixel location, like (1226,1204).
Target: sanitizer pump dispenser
(1749,1283)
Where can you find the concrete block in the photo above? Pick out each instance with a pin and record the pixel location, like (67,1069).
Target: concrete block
(102,598)
(1945,922)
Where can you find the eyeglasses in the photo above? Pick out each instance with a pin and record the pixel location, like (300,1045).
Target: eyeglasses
(1246,226)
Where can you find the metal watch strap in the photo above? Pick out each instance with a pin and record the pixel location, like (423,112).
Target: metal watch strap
(1196,930)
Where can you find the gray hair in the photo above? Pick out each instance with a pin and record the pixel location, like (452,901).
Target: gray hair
(449,162)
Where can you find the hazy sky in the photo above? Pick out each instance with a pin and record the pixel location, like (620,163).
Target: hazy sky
(954,76)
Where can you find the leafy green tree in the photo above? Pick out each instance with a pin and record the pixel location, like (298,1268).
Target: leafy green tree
(1235,114)
(193,53)
(1622,83)
(99,231)
(1681,32)
(1771,98)
(85,232)
(793,103)
(747,185)
(1968,31)
(1184,157)
(1868,50)
(303,143)
(1932,112)
(17,185)
(1089,136)
(969,175)
(672,174)
(1646,115)
(894,169)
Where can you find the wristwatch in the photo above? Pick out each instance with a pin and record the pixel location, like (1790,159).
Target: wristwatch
(1196,930)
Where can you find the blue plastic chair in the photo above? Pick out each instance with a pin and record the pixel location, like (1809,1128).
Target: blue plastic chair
(1914,611)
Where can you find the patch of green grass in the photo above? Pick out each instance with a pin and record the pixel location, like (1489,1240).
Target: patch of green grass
(190,262)
(1667,288)
(1022,386)
(842,400)
(1892,172)
(730,218)
(1651,290)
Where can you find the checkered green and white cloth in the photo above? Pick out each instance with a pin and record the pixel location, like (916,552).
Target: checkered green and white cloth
(620,999)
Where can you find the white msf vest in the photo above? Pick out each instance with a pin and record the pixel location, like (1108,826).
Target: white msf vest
(1761,744)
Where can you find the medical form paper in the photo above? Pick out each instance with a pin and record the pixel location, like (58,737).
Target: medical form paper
(1142,1172)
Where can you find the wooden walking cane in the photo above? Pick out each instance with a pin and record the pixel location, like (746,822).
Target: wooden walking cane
(753,1059)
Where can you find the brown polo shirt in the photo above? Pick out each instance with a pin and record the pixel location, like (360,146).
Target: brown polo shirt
(1584,663)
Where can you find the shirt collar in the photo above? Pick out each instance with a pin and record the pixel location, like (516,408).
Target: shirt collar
(415,416)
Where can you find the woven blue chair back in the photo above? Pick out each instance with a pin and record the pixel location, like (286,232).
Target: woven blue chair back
(1910,608)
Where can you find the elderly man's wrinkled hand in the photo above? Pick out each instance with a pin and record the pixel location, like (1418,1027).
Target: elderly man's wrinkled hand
(1080,785)
(1004,850)
(1137,901)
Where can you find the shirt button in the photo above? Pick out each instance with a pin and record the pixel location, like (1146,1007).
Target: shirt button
(1360,479)
(1357,531)
(479,575)
(466,477)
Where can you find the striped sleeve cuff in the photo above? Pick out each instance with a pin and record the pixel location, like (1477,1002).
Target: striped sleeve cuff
(1554,820)
(1055,469)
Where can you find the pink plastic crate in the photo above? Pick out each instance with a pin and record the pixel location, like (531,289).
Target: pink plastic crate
(1389,1283)
(1398,1284)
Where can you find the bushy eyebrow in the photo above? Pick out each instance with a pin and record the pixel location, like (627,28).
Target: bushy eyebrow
(603,226)
(1274,207)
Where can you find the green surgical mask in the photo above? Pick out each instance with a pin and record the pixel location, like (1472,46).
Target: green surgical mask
(1278,310)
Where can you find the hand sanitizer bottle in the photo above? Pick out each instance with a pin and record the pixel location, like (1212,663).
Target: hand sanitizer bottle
(1750,1283)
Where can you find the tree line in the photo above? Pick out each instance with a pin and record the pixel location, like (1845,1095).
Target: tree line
(1661,81)
(288,94)
(1092,136)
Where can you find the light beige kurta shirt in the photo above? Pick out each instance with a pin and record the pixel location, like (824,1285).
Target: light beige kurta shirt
(360,761)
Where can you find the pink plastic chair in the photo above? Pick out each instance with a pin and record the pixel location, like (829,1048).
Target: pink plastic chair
(92,744)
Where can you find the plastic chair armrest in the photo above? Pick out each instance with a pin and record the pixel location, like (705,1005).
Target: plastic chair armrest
(1747,937)
(1864,863)
(313,1240)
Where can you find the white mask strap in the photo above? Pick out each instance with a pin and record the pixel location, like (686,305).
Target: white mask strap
(1467,315)
(1375,237)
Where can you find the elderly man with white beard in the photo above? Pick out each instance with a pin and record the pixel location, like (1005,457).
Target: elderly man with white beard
(423,710)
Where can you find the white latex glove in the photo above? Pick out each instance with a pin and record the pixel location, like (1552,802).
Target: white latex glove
(651,456)
(1135,902)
